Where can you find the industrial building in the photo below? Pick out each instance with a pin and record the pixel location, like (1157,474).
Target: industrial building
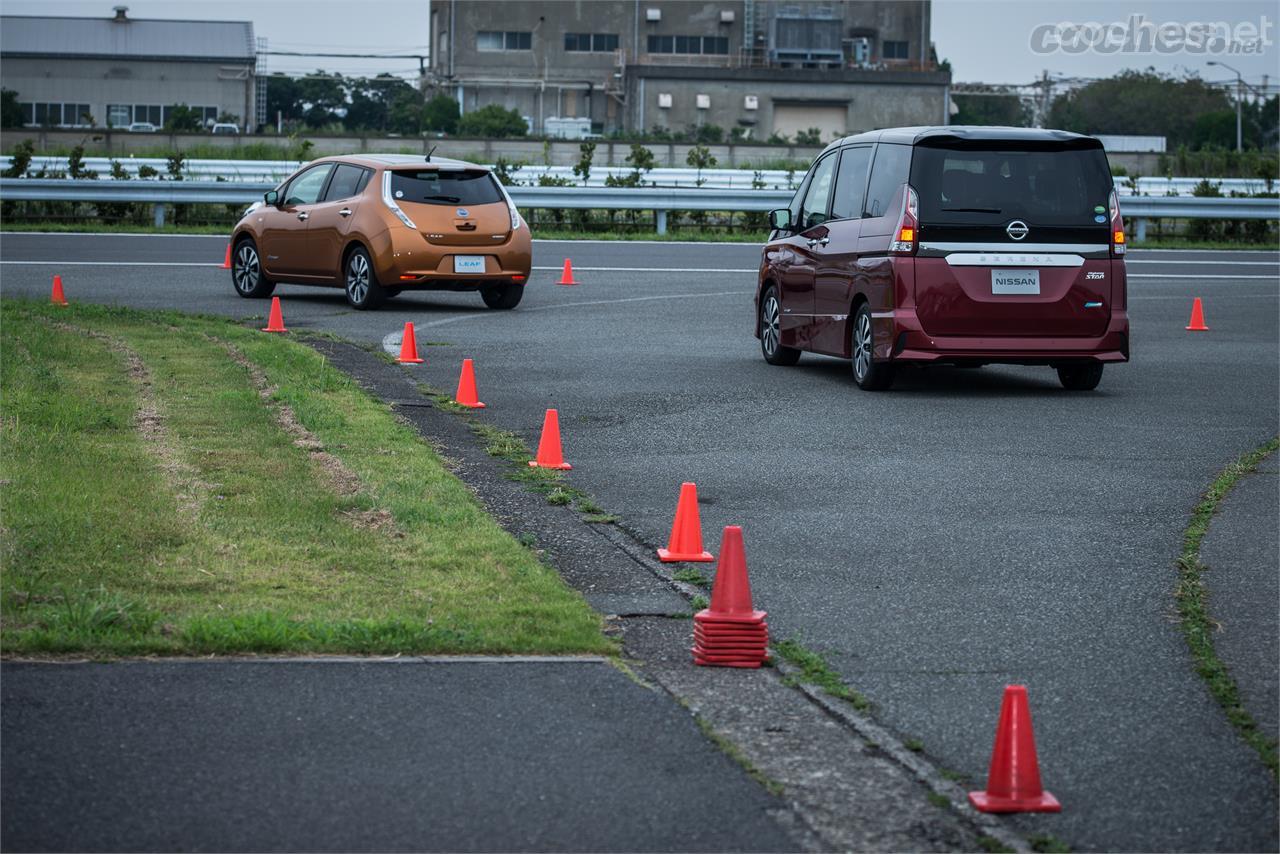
(755,68)
(116,70)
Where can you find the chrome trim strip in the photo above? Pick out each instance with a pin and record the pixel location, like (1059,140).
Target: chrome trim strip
(1027,247)
(1014,259)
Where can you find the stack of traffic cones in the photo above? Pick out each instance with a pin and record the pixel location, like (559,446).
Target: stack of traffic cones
(730,633)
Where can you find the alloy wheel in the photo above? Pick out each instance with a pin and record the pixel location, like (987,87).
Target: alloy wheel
(246,268)
(862,346)
(358,278)
(769,328)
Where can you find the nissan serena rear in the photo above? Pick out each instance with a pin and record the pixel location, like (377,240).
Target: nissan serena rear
(961,245)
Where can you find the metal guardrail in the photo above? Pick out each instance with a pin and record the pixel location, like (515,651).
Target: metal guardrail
(658,199)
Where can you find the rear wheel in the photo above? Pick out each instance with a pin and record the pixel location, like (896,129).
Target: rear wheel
(869,374)
(363,290)
(770,332)
(246,271)
(1080,377)
(502,296)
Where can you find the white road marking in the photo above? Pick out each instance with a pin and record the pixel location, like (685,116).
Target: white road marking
(1260,263)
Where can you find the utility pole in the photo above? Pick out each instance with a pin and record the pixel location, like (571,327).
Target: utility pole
(1239,101)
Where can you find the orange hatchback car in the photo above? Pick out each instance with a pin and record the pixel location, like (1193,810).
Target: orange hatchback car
(377,224)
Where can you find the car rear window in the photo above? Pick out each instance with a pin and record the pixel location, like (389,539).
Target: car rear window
(436,187)
(993,182)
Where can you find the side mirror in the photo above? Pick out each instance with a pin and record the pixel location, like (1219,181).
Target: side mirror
(271,197)
(780,220)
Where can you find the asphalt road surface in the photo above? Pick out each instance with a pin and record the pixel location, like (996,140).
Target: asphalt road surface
(968,529)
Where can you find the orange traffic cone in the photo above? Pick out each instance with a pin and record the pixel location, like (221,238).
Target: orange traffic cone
(685,543)
(226,260)
(57,297)
(730,632)
(466,393)
(566,278)
(275,323)
(1013,783)
(408,346)
(550,456)
(1197,317)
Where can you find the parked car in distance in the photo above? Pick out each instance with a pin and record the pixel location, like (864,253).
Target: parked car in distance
(379,224)
(142,127)
(958,245)
(224,128)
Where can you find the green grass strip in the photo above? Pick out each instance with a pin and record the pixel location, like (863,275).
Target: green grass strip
(1197,626)
(814,670)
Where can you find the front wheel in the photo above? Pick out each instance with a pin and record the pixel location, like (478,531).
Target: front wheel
(869,374)
(502,296)
(246,272)
(1080,377)
(770,332)
(363,290)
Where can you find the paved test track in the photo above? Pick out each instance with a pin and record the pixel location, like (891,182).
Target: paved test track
(967,529)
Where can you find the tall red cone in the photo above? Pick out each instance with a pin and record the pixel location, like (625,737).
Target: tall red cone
(685,543)
(226,260)
(566,277)
(550,456)
(1197,317)
(57,297)
(409,346)
(1013,783)
(466,393)
(730,633)
(275,322)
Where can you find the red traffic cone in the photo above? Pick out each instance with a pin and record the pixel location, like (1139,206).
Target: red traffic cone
(1197,317)
(1013,783)
(730,633)
(550,456)
(408,346)
(685,543)
(731,592)
(57,297)
(226,260)
(566,278)
(466,393)
(275,322)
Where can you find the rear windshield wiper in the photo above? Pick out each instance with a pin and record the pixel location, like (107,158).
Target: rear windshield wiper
(454,199)
(973,210)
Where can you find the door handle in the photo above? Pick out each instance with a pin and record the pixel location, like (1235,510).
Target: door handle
(824,241)
(345,212)
(303,215)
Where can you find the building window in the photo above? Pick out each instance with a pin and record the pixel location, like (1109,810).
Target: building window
(55,115)
(689,44)
(895,50)
(119,115)
(593,42)
(495,40)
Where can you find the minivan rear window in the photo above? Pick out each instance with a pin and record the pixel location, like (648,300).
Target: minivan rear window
(436,187)
(994,182)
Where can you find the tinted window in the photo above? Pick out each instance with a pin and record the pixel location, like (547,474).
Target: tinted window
(888,174)
(813,210)
(993,183)
(347,182)
(436,187)
(851,183)
(305,189)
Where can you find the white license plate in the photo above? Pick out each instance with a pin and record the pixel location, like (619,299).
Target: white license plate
(468,263)
(1015,281)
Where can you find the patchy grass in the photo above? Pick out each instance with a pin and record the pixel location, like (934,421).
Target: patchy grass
(915,745)
(995,846)
(735,753)
(942,802)
(689,575)
(1048,843)
(815,671)
(1180,243)
(281,510)
(1197,626)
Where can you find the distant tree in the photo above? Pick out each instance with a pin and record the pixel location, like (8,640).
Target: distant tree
(991,110)
(321,96)
(76,167)
(492,121)
(10,112)
(20,160)
(812,136)
(586,153)
(705,134)
(441,114)
(284,97)
(183,118)
(505,171)
(700,157)
(1141,103)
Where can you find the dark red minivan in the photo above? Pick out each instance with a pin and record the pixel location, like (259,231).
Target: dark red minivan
(959,245)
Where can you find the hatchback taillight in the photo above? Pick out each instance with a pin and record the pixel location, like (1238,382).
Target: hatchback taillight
(905,236)
(1117,226)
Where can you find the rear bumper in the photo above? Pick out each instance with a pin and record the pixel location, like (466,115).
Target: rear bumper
(899,337)
(410,262)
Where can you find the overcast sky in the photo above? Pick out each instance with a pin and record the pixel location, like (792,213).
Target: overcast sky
(986,40)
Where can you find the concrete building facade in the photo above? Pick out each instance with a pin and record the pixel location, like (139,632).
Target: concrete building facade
(755,68)
(116,70)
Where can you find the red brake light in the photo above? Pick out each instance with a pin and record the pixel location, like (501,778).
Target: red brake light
(1117,226)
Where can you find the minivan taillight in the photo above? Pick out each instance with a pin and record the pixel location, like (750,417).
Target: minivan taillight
(1117,226)
(906,234)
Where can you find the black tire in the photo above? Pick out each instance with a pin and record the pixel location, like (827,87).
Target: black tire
(1083,377)
(360,281)
(869,374)
(770,333)
(502,297)
(247,276)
